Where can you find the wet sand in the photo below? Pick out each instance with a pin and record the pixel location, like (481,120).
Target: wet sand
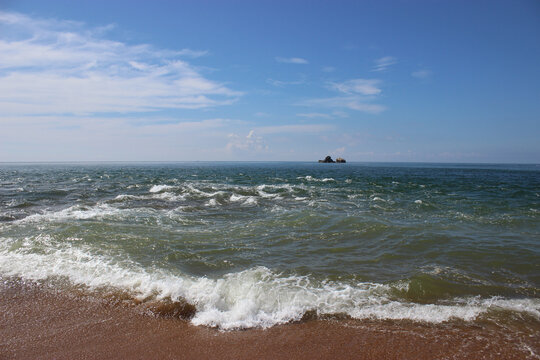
(37,322)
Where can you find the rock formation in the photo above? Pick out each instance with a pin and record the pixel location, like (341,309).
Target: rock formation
(327,159)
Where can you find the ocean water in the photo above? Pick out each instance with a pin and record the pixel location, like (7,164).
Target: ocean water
(260,244)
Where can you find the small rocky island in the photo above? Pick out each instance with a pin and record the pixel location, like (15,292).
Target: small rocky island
(329,159)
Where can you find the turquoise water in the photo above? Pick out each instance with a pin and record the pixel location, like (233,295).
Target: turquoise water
(257,244)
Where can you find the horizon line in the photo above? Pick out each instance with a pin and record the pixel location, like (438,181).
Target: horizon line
(260,161)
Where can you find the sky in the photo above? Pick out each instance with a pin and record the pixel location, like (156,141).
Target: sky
(382,81)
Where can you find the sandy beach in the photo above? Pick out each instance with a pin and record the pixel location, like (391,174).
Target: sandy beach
(39,322)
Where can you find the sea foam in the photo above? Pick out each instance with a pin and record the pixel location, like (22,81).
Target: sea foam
(256,297)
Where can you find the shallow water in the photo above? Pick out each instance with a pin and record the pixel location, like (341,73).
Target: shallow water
(257,244)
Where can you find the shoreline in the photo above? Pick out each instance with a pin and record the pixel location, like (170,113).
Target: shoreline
(41,322)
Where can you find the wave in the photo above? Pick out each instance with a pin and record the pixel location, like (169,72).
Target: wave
(159,188)
(311,178)
(212,195)
(76,212)
(255,297)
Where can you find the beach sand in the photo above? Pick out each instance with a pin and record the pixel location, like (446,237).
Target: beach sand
(38,322)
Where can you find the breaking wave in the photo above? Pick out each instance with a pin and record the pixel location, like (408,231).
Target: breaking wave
(256,297)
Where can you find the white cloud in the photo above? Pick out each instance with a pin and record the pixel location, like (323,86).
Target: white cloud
(332,115)
(301,128)
(251,142)
(314,115)
(384,63)
(78,138)
(421,74)
(293,60)
(358,86)
(183,126)
(255,142)
(328,69)
(162,125)
(358,94)
(279,83)
(339,151)
(192,53)
(62,67)
(354,102)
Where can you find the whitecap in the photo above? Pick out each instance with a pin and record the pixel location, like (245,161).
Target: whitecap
(251,200)
(123,197)
(211,202)
(236,197)
(158,188)
(169,196)
(75,212)
(311,178)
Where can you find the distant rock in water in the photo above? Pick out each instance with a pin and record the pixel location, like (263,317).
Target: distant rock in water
(329,159)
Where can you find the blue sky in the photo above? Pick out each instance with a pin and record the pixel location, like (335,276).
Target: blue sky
(433,81)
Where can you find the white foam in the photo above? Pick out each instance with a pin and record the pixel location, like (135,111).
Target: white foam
(211,202)
(193,190)
(123,197)
(251,200)
(262,193)
(75,212)
(255,297)
(418,202)
(158,188)
(169,196)
(236,197)
(311,178)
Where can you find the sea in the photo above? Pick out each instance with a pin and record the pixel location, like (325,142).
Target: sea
(253,245)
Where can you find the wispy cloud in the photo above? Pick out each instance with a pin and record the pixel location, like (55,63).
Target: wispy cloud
(328,69)
(192,53)
(349,102)
(332,115)
(356,94)
(293,60)
(175,126)
(280,83)
(358,86)
(339,151)
(314,115)
(256,139)
(384,63)
(76,138)
(61,67)
(251,142)
(300,128)
(422,74)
